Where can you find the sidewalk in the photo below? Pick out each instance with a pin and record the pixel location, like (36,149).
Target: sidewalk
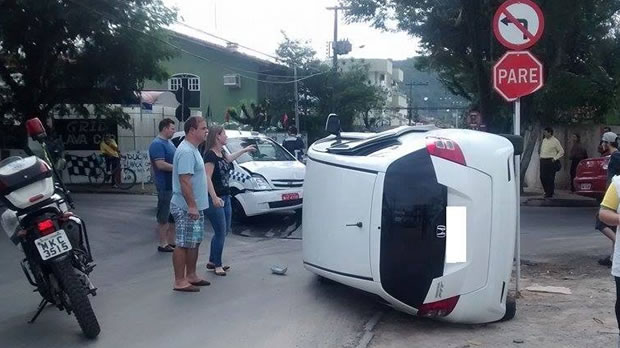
(561,198)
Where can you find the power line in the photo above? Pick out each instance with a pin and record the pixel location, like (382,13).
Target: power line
(228,41)
(233,69)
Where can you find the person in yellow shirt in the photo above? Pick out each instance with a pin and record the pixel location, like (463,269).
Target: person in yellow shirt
(609,215)
(550,153)
(109,150)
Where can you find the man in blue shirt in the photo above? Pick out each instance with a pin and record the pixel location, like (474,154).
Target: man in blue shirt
(294,144)
(189,200)
(161,153)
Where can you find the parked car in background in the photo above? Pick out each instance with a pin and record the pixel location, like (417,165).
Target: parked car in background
(265,181)
(591,177)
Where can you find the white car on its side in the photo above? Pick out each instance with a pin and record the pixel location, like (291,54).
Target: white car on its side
(265,181)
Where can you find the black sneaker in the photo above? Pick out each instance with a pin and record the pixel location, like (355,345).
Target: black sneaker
(606,261)
(166,249)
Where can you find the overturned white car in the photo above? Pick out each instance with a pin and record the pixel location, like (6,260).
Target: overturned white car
(423,217)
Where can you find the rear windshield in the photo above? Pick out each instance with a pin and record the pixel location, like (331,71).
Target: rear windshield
(266,150)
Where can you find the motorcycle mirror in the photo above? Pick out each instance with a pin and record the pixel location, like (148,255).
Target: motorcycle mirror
(35,129)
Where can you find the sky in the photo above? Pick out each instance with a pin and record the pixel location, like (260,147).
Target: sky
(258,24)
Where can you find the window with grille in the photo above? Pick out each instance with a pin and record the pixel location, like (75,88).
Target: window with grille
(191,81)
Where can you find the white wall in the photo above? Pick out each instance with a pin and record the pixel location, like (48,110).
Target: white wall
(590,138)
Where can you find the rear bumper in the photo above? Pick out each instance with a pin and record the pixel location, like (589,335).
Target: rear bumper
(263,202)
(593,187)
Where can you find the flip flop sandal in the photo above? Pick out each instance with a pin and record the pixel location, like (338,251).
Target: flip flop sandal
(166,249)
(190,288)
(201,282)
(222,273)
(211,267)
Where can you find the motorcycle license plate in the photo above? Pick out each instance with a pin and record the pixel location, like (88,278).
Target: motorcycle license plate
(53,244)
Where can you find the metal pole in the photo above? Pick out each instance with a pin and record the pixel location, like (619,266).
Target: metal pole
(133,121)
(296,100)
(517,131)
(335,43)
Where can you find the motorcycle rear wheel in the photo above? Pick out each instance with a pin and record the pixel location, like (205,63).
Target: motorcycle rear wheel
(78,298)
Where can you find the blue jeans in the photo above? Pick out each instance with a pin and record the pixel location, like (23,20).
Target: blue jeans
(220,219)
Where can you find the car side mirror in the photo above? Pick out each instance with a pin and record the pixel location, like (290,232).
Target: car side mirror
(517,142)
(332,126)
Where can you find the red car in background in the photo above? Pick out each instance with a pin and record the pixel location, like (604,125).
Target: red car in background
(591,177)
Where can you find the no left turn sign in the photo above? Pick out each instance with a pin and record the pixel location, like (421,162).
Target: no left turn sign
(518,24)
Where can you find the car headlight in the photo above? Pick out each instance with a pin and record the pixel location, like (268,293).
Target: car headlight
(259,182)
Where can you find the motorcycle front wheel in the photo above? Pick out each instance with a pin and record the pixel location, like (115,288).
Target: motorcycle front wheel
(78,298)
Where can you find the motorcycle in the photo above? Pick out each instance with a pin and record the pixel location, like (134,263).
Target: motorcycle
(39,221)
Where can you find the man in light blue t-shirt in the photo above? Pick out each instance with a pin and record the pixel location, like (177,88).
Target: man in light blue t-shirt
(189,200)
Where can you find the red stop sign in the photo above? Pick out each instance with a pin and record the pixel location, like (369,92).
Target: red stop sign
(517,74)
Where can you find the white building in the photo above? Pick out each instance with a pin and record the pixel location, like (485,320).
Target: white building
(382,73)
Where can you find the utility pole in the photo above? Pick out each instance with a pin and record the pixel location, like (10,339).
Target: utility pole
(335,49)
(296,99)
(410,104)
(335,42)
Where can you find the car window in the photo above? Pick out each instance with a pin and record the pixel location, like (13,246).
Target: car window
(266,150)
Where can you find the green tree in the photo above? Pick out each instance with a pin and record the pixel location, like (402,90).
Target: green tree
(349,90)
(578,49)
(257,117)
(580,52)
(62,55)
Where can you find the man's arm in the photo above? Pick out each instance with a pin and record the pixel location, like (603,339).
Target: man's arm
(185,168)
(163,165)
(188,194)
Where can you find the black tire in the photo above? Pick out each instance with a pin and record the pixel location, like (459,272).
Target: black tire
(238,213)
(324,280)
(96,176)
(128,179)
(511,308)
(78,298)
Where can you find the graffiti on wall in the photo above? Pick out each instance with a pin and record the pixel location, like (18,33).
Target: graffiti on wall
(79,167)
(139,162)
(83,134)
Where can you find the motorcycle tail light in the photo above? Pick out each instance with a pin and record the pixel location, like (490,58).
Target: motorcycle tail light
(46,227)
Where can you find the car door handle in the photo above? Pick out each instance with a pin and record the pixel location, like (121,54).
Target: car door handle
(359,224)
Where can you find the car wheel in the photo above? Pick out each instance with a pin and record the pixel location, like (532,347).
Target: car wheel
(511,308)
(324,280)
(237,210)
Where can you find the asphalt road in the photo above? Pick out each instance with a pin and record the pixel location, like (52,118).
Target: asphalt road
(249,307)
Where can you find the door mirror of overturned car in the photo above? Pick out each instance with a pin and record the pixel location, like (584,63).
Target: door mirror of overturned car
(332,126)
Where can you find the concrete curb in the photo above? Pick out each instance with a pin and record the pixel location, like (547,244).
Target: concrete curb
(559,202)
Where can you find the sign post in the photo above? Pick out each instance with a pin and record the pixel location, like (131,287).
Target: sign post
(518,25)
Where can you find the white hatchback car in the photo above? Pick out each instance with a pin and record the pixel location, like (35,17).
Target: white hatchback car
(423,217)
(265,181)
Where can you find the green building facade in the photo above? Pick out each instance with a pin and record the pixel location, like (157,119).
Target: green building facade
(217,77)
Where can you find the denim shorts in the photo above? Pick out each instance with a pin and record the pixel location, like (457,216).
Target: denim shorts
(163,207)
(189,233)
